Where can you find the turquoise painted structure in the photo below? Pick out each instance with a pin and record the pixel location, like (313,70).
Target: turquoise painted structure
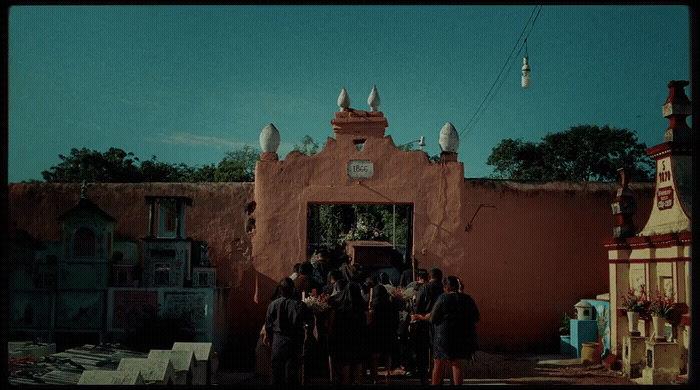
(583,331)
(602,317)
(565,347)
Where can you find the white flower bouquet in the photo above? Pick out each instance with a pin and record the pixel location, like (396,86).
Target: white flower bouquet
(317,304)
(405,295)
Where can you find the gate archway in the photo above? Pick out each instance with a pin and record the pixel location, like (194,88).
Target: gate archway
(359,165)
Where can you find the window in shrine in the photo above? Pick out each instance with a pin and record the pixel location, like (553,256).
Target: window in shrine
(84,242)
(170,219)
(162,274)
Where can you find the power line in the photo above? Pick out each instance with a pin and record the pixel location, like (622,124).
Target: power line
(508,60)
(502,68)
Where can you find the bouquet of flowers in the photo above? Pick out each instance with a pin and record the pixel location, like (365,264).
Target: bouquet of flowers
(391,290)
(317,303)
(365,229)
(404,295)
(636,300)
(661,305)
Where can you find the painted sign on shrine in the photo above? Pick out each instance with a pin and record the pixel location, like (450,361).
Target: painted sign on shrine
(360,169)
(664,198)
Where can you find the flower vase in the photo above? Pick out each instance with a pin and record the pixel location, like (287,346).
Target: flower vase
(659,323)
(633,322)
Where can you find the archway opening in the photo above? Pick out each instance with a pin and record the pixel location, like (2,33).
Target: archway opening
(384,231)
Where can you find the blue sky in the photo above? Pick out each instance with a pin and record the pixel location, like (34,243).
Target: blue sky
(188,83)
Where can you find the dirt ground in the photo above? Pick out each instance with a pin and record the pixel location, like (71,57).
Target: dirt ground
(488,368)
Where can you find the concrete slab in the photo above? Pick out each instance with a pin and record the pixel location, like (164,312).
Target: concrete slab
(104,377)
(156,370)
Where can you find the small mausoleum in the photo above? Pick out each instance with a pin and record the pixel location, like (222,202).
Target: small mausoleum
(656,260)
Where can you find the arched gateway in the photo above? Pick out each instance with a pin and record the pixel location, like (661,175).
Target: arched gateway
(360,165)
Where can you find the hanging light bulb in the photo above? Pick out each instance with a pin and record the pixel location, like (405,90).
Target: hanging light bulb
(525,78)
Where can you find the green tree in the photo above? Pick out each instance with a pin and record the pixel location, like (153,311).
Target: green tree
(238,165)
(157,171)
(114,165)
(582,153)
(308,146)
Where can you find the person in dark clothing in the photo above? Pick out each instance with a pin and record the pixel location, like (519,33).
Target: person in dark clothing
(406,332)
(454,316)
(304,282)
(381,330)
(286,322)
(333,276)
(346,333)
(407,274)
(319,262)
(425,299)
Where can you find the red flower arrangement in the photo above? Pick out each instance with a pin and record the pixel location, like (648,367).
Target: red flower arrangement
(661,305)
(636,300)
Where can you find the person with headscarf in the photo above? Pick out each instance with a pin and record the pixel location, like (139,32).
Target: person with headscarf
(286,324)
(381,330)
(454,316)
(346,331)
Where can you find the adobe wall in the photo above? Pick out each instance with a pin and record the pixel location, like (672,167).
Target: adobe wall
(524,262)
(537,254)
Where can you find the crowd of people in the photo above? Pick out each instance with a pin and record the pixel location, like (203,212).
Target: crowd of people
(363,324)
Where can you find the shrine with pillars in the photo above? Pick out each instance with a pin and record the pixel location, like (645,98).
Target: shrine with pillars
(657,258)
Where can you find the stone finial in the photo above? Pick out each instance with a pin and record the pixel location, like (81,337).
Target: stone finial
(624,208)
(676,108)
(269,139)
(343,99)
(449,139)
(421,142)
(373,99)
(623,178)
(83,190)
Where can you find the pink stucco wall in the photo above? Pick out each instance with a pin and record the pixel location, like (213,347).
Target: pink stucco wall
(524,262)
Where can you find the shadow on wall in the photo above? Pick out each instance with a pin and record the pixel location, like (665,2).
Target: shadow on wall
(237,353)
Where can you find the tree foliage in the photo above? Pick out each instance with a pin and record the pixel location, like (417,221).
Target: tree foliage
(582,153)
(238,165)
(117,166)
(114,165)
(308,146)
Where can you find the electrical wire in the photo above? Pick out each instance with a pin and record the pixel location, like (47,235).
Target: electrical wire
(489,97)
(502,68)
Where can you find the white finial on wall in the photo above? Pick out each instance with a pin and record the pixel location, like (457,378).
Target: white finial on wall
(83,190)
(343,99)
(449,139)
(269,138)
(373,99)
